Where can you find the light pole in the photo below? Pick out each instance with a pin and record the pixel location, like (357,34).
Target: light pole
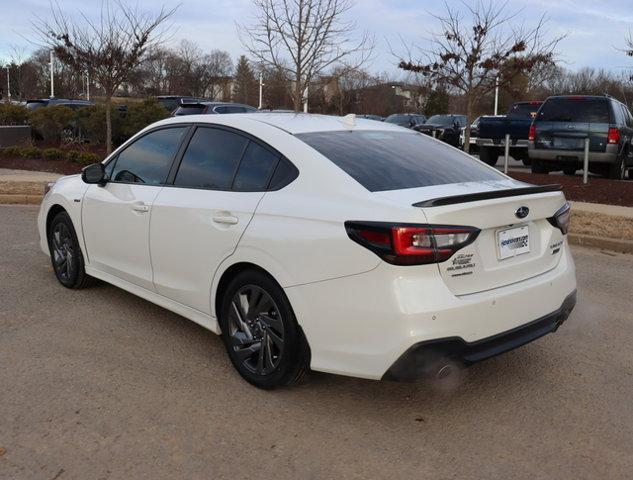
(305,100)
(88,85)
(261,90)
(52,86)
(496,94)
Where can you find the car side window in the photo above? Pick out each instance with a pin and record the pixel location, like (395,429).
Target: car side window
(148,159)
(255,169)
(211,159)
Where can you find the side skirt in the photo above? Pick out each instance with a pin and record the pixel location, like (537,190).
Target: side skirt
(202,319)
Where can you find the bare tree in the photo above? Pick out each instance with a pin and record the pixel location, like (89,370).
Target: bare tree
(471,57)
(109,47)
(303,38)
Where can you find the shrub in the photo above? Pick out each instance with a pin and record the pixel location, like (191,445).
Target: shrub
(11,152)
(140,115)
(50,122)
(11,114)
(73,155)
(92,124)
(86,158)
(52,154)
(30,152)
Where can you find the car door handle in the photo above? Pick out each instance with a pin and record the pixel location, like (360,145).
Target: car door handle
(226,220)
(140,207)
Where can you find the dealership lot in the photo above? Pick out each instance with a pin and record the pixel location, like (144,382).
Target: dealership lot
(101,384)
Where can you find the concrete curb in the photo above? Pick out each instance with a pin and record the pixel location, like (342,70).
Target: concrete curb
(20,199)
(622,246)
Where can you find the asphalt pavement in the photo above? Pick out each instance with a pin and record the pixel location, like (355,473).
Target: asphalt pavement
(99,384)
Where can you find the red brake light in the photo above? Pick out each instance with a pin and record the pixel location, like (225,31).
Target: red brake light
(402,244)
(561,218)
(613,136)
(532,133)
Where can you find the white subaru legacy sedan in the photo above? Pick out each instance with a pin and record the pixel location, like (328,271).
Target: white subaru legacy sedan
(313,242)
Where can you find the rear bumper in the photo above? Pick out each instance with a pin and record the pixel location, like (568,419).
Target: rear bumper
(500,143)
(360,325)
(563,156)
(424,359)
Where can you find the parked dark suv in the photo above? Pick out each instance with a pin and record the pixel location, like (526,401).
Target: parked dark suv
(558,132)
(195,108)
(447,128)
(407,120)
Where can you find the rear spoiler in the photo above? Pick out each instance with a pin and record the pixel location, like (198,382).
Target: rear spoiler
(474,197)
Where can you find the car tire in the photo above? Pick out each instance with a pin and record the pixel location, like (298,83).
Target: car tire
(539,168)
(260,332)
(617,170)
(489,156)
(571,171)
(66,256)
(526,161)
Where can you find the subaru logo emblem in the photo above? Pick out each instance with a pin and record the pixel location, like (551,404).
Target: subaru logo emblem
(522,212)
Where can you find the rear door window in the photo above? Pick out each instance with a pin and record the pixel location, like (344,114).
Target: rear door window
(255,169)
(211,159)
(386,160)
(576,110)
(147,160)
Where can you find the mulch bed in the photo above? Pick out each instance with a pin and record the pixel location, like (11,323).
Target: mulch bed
(598,190)
(65,167)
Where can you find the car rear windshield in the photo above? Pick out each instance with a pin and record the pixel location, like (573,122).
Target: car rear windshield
(385,160)
(524,110)
(575,109)
(189,110)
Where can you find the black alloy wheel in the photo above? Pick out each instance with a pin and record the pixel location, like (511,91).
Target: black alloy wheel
(260,332)
(66,256)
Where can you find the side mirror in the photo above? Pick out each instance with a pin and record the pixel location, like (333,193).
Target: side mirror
(94,173)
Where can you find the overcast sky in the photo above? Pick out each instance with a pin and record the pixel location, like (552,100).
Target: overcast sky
(595,29)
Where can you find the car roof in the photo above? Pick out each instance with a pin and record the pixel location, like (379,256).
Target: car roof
(293,123)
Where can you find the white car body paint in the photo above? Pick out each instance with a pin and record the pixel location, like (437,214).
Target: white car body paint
(359,313)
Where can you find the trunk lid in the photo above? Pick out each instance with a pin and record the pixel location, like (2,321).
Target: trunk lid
(480,266)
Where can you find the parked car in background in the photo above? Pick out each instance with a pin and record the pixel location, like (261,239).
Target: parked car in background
(447,128)
(204,107)
(64,102)
(378,118)
(407,120)
(172,102)
(492,132)
(420,259)
(72,131)
(557,136)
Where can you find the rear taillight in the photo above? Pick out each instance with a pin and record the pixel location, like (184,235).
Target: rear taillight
(532,133)
(561,218)
(613,136)
(405,244)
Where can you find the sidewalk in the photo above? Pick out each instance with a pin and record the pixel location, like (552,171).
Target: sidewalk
(8,175)
(23,186)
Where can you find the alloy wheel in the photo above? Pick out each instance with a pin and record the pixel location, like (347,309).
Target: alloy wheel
(256,330)
(63,251)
